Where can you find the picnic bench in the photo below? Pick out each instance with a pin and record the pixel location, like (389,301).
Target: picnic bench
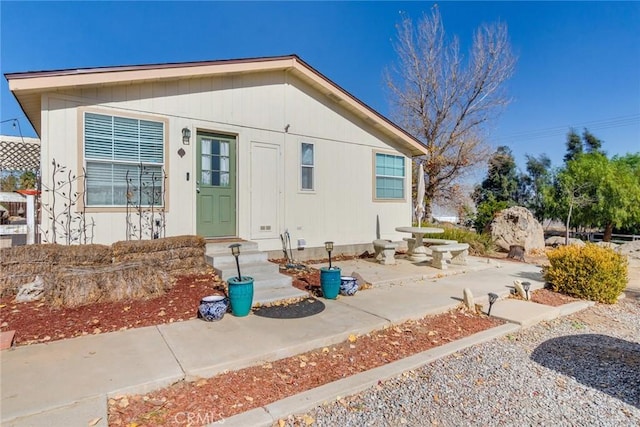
(385,251)
(458,251)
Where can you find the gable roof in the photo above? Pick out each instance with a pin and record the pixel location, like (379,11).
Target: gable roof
(29,86)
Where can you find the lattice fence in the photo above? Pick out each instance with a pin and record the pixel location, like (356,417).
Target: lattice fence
(19,154)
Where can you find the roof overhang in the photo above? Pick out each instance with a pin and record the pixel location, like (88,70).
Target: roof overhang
(28,87)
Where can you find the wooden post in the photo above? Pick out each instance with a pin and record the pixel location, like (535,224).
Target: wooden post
(31,219)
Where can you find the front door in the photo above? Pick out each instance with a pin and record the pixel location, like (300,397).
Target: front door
(216,185)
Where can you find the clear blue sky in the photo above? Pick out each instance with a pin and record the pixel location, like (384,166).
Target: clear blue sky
(579,62)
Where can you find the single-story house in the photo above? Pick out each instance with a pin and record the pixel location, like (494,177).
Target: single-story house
(242,148)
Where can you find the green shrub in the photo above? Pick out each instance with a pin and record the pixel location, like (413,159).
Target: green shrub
(479,244)
(589,272)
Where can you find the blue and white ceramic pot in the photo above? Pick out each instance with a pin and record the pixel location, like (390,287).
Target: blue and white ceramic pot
(213,307)
(348,285)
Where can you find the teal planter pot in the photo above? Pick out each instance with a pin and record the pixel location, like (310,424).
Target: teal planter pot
(330,282)
(240,295)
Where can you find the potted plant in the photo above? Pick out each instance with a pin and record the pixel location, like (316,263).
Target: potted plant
(240,288)
(330,277)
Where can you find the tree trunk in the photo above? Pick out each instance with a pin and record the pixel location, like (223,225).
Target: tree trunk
(566,233)
(608,231)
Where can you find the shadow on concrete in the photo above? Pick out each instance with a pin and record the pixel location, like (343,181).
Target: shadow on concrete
(531,276)
(610,365)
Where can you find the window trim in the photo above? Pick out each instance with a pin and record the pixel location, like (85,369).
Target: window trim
(375,176)
(312,167)
(82,160)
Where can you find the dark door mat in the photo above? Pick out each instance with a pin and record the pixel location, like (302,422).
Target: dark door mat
(305,308)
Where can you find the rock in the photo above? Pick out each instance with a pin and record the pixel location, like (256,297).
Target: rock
(631,249)
(609,245)
(31,291)
(517,226)
(559,240)
(469,301)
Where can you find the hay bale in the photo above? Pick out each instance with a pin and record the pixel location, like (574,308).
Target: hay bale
(147,246)
(163,256)
(57,254)
(122,281)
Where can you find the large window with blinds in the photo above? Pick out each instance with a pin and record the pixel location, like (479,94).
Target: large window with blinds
(390,173)
(124,160)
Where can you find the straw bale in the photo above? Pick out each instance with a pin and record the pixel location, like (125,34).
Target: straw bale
(157,245)
(163,256)
(56,254)
(121,281)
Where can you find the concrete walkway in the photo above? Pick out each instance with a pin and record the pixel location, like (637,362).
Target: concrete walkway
(68,382)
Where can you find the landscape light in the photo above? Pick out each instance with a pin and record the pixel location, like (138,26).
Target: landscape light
(526,286)
(492,298)
(235,251)
(329,247)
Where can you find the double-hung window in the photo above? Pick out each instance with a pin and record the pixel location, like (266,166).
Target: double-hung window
(124,160)
(306,166)
(390,177)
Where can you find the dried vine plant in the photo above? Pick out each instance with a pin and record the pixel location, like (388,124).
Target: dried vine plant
(146,220)
(66,224)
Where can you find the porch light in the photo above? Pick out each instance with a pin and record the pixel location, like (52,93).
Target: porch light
(526,286)
(329,247)
(492,299)
(186,135)
(235,251)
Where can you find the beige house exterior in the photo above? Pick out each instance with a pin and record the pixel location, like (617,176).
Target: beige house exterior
(274,145)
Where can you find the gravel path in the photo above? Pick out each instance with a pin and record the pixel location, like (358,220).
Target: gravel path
(579,370)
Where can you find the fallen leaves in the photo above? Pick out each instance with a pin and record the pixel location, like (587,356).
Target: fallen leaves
(238,391)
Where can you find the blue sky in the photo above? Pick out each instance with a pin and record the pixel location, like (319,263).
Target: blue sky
(579,62)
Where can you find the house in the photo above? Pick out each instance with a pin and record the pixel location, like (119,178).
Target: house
(242,148)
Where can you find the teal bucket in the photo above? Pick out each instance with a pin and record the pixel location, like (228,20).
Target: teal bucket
(330,282)
(240,295)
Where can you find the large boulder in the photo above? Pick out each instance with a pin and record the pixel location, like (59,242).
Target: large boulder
(517,226)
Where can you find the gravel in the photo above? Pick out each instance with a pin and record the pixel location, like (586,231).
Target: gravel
(579,370)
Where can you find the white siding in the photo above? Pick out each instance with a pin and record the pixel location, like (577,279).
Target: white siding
(256,108)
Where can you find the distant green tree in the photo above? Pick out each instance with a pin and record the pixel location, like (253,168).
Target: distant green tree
(606,192)
(539,185)
(574,146)
(592,144)
(485,212)
(498,190)
(501,182)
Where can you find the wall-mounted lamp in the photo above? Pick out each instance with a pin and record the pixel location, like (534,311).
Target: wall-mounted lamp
(186,135)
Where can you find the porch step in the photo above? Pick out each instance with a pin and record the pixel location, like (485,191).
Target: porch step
(268,284)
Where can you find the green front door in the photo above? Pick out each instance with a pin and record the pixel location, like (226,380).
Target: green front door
(216,185)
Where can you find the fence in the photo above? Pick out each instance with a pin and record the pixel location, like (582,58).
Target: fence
(29,228)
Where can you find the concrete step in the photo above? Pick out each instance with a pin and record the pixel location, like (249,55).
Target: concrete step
(255,270)
(269,295)
(222,248)
(244,258)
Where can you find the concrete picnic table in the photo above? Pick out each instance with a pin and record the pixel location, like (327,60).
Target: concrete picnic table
(417,251)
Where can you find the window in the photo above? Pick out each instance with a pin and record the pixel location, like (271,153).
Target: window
(215,161)
(124,160)
(307,165)
(389,176)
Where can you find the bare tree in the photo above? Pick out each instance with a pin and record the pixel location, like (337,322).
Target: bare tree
(445,100)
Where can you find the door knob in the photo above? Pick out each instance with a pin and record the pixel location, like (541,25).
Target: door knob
(197,189)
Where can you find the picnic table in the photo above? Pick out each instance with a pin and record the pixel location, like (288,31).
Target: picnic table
(417,251)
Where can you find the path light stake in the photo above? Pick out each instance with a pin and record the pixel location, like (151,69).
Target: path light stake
(526,286)
(492,298)
(329,247)
(235,250)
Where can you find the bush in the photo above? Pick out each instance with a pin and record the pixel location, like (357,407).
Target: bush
(479,244)
(588,272)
